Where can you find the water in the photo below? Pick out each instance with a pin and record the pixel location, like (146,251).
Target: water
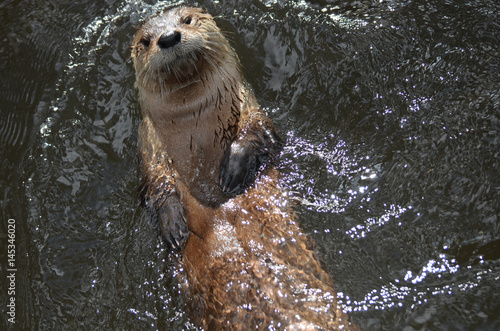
(390,112)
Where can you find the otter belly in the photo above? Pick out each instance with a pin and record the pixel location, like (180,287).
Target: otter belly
(255,267)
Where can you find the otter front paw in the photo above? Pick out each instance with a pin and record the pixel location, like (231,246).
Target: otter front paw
(172,221)
(239,167)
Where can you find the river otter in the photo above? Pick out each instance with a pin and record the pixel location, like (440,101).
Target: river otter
(206,151)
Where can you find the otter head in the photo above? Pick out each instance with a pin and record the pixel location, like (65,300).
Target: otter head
(178,48)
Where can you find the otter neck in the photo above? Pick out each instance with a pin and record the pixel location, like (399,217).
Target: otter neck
(196,122)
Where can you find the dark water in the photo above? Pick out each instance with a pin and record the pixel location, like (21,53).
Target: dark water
(391,115)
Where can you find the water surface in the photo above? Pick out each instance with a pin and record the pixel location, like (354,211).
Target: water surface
(390,113)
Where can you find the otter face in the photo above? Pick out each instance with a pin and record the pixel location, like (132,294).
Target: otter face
(174,46)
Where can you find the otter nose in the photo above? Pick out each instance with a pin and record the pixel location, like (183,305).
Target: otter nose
(169,39)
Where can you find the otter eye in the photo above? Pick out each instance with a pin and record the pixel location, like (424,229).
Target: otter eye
(187,20)
(145,42)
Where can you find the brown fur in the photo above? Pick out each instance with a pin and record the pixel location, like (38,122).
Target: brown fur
(247,262)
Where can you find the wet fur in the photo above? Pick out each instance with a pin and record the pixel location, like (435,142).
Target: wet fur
(247,262)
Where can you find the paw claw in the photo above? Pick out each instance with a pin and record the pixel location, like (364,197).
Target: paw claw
(172,222)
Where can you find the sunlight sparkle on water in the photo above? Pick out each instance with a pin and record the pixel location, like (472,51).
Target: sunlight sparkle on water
(360,230)
(393,294)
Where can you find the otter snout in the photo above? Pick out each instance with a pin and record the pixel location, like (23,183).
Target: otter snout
(169,39)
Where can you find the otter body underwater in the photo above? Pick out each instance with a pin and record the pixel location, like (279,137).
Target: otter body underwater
(206,151)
